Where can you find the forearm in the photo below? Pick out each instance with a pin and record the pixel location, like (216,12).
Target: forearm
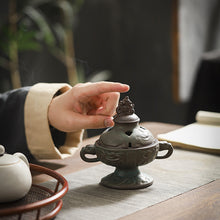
(39,139)
(24,124)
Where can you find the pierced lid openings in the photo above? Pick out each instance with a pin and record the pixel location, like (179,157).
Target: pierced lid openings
(128,133)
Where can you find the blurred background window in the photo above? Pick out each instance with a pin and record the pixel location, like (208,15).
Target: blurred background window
(199,32)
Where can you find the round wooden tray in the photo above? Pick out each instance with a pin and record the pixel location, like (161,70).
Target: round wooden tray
(40,203)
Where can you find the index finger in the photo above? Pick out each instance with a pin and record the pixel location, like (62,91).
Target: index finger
(93,89)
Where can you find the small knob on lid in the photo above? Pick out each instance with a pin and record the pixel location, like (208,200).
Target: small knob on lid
(125,112)
(2,150)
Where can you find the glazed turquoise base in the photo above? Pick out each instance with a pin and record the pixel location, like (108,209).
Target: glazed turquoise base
(127,179)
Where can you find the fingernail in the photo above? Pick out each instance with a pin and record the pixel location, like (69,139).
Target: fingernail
(108,122)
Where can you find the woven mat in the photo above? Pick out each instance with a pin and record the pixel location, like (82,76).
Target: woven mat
(182,172)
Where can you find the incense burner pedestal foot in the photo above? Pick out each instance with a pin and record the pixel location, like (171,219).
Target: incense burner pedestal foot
(127,179)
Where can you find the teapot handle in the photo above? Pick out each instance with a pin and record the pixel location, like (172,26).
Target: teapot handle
(22,157)
(88,149)
(164,145)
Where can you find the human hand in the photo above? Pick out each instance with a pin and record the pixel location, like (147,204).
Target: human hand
(86,106)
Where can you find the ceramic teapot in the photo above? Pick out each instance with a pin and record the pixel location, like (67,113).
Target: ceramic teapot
(126,146)
(15,176)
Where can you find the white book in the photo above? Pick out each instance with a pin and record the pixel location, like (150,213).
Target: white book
(203,135)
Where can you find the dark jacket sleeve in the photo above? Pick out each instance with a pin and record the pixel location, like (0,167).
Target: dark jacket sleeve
(12,131)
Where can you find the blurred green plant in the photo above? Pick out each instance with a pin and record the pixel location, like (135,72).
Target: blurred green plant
(23,38)
(33,24)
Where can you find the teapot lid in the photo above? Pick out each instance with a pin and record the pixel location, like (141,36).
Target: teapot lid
(7,159)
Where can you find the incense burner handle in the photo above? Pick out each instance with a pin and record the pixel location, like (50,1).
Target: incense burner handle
(88,149)
(164,145)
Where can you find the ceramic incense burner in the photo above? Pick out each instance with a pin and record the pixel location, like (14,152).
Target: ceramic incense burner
(126,146)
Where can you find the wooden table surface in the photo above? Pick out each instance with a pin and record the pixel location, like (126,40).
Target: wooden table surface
(201,203)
